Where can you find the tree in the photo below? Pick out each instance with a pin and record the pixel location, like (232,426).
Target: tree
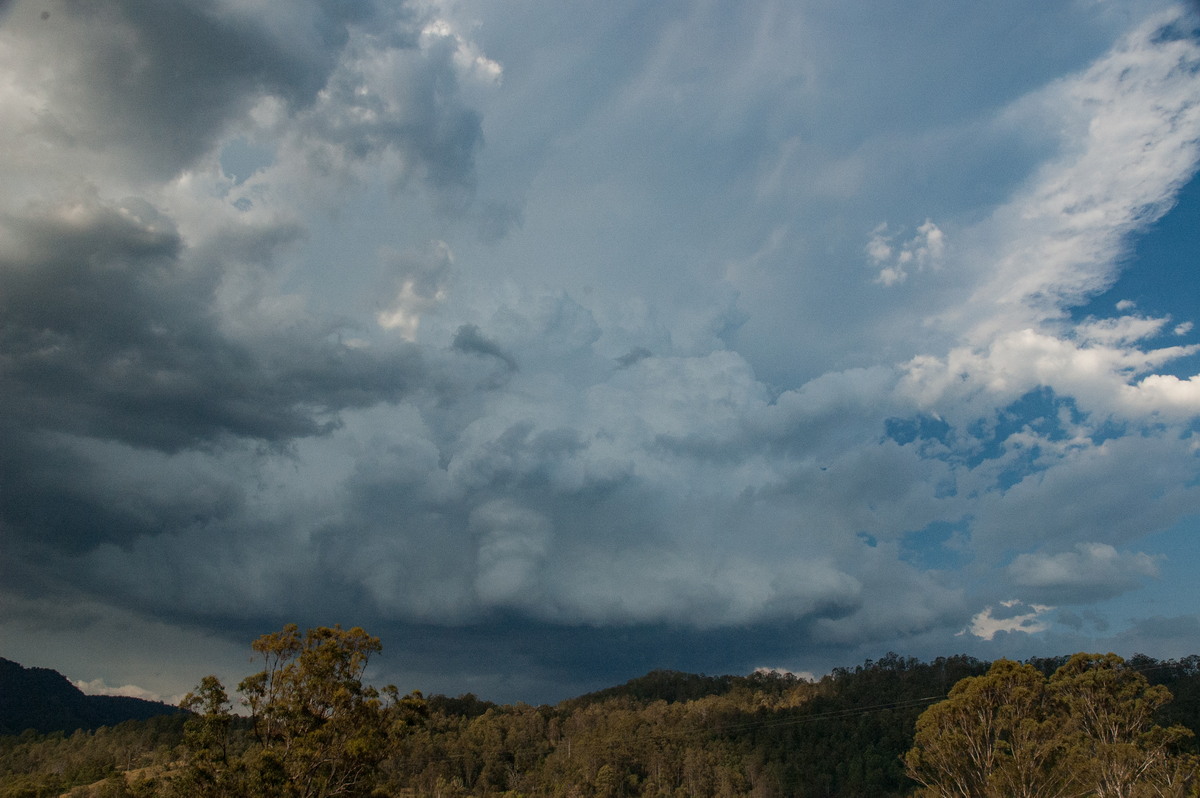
(1088,730)
(207,731)
(1114,742)
(321,731)
(206,735)
(994,736)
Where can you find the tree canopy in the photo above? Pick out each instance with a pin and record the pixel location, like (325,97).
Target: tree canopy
(1087,730)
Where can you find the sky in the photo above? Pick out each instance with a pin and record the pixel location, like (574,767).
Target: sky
(557,342)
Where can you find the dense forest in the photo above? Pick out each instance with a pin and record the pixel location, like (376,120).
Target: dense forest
(891,727)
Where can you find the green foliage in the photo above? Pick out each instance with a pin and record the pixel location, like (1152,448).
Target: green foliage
(319,731)
(1113,741)
(1087,725)
(34,765)
(762,735)
(996,735)
(1087,730)
(207,730)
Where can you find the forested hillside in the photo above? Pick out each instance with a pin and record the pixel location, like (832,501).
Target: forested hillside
(317,730)
(43,700)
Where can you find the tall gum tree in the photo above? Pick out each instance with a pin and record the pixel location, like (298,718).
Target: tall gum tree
(993,736)
(1087,731)
(321,729)
(1112,739)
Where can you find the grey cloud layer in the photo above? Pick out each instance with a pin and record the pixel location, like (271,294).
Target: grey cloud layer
(533,448)
(162,80)
(110,332)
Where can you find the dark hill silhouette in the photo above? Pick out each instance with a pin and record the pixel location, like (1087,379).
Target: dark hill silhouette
(44,700)
(659,685)
(678,687)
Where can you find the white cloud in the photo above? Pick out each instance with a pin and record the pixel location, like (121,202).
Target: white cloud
(925,250)
(1122,330)
(1098,376)
(1091,571)
(98,687)
(470,60)
(419,286)
(1011,616)
(807,676)
(1165,395)
(1128,123)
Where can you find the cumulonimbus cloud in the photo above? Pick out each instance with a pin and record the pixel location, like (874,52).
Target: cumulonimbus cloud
(462,448)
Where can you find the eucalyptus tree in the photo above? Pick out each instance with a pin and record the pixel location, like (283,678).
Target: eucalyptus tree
(322,731)
(1088,730)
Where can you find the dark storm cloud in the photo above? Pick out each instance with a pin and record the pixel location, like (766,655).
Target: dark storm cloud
(128,343)
(55,503)
(221,415)
(112,335)
(159,84)
(633,356)
(163,79)
(107,332)
(1167,636)
(1087,620)
(469,339)
(548,662)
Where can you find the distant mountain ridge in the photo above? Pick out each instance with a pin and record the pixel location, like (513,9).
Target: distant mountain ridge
(677,686)
(46,701)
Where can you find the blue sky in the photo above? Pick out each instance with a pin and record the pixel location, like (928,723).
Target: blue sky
(555,343)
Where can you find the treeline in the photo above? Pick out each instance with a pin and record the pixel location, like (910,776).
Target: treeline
(317,730)
(34,765)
